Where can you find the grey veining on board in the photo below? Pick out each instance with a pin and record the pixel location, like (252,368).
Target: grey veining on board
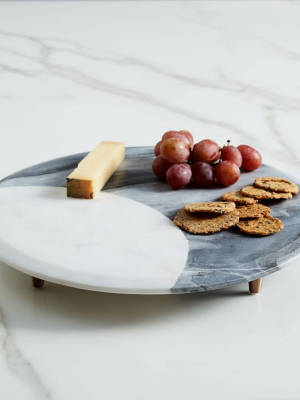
(214,261)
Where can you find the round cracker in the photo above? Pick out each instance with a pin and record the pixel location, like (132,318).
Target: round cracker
(253,211)
(260,194)
(205,223)
(263,226)
(238,198)
(275,184)
(215,207)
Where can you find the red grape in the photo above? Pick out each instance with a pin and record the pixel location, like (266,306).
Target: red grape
(157,148)
(206,151)
(227,173)
(178,135)
(174,150)
(251,158)
(160,167)
(203,174)
(189,136)
(179,175)
(231,153)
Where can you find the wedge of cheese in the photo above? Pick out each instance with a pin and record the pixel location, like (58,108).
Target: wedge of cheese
(95,170)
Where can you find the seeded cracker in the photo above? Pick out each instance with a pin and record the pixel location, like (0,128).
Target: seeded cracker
(262,226)
(276,185)
(238,198)
(253,211)
(210,207)
(261,194)
(205,223)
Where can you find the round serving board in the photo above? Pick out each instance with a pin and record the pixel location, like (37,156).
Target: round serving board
(124,241)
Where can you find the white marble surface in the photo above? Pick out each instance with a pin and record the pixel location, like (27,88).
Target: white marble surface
(111,244)
(75,73)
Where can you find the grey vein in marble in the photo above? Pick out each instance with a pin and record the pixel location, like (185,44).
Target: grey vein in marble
(18,365)
(270,118)
(261,97)
(80,78)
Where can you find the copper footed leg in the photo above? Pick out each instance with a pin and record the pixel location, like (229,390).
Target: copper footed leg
(37,283)
(255,286)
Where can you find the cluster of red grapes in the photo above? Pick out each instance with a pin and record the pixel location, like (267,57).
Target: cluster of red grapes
(178,161)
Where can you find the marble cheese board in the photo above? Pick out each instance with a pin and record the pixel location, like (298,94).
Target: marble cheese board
(124,241)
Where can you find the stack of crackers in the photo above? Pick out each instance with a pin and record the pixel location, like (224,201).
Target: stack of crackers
(238,208)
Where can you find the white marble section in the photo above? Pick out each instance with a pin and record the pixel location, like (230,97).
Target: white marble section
(109,244)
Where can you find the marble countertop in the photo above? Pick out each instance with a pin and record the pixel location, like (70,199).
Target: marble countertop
(75,73)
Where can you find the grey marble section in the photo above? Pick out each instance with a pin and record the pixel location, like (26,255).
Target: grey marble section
(214,261)
(133,171)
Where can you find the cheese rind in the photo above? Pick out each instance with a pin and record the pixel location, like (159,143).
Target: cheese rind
(95,170)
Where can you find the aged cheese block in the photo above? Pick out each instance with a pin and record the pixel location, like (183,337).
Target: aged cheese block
(95,169)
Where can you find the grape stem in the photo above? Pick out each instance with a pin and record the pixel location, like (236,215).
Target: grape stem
(221,148)
(228,143)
